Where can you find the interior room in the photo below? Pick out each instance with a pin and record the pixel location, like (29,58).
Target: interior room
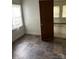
(38,29)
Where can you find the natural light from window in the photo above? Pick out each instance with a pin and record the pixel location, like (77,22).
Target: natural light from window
(16,17)
(56,11)
(64,11)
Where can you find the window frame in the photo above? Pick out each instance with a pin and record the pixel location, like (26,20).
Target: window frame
(60,19)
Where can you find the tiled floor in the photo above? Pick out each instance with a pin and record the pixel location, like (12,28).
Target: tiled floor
(32,47)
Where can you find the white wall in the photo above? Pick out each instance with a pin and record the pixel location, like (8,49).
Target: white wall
(32,16)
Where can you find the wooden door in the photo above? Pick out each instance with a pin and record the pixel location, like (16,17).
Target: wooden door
(46,18)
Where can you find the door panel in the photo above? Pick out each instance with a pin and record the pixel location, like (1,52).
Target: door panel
(46,18)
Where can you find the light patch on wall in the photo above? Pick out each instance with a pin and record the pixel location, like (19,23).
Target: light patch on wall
(64,11)
(56,11)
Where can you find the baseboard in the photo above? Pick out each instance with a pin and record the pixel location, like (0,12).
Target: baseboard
(33,35)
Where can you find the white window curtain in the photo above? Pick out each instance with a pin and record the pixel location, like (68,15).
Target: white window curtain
(16,17)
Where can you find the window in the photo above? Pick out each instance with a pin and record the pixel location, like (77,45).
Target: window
(64,11)
(16,16)
(56,11)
